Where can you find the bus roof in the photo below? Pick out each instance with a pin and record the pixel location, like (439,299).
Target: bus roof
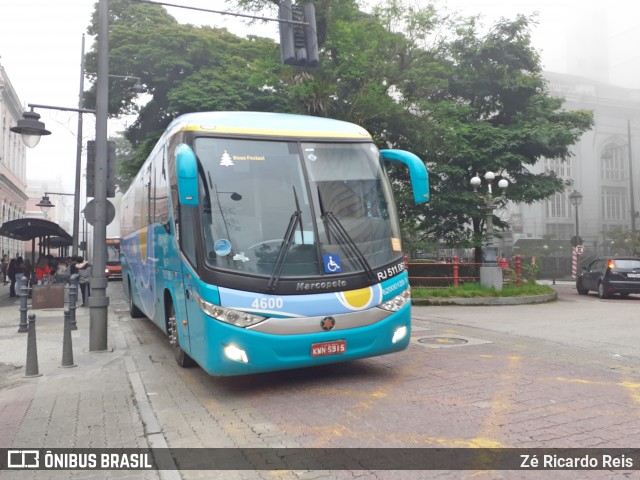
(267,124)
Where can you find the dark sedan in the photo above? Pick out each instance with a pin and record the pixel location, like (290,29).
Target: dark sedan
(610,275)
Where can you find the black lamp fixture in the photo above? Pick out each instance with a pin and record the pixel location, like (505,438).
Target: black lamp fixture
(45,202)
(575,198)
(31,128)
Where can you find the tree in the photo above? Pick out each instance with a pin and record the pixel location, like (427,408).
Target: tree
(465,102)
(494,113)
(124,163)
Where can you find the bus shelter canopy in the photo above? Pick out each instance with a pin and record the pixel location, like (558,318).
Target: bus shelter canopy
(30,228)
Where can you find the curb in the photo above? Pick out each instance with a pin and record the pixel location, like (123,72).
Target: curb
(420,302)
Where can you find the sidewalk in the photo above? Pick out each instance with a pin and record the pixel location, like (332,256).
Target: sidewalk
(98,403)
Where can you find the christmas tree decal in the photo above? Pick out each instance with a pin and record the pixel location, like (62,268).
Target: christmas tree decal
(225,160)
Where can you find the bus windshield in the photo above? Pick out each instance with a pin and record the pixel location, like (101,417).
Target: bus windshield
(330,201)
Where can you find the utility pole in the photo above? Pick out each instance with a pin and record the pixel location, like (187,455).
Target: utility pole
(98,300)
(632,201)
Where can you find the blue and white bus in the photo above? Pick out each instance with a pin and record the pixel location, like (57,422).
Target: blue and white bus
(265,241)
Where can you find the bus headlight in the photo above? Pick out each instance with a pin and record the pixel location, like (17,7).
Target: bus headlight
(234,353)
(228,315)
(399,334)
(397,302)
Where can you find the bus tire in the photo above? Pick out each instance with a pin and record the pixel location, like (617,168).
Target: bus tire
(182,358)
(134,312)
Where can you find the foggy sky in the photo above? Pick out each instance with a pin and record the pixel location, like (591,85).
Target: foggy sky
(40,51)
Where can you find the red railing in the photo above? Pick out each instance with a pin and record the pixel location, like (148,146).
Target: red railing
(453,273)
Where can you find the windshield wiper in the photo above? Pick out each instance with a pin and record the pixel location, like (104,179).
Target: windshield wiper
(330,220)
(294,221)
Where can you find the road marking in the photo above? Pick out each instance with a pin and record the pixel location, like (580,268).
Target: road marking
(633,388)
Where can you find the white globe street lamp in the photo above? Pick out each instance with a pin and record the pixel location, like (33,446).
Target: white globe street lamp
(490,271)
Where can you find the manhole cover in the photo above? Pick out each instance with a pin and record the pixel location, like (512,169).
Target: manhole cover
(443,341)
(447,341)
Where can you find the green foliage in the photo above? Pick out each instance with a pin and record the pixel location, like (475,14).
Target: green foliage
(494,114)
(464,101)
(531,270)
(124,163)
(475,290)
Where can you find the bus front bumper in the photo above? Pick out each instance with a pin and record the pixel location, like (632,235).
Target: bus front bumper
(244,351)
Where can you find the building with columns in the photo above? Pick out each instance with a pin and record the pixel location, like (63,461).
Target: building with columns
(13,168)
(604,169)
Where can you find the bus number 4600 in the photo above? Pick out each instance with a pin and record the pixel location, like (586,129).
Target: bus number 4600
(269,303)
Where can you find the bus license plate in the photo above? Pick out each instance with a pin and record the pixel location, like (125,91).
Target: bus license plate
(328,348)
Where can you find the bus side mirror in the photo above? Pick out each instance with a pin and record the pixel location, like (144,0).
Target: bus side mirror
(417,172)
(187,172)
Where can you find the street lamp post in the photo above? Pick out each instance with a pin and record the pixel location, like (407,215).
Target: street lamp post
(575,198)
(490,271)
(99,301)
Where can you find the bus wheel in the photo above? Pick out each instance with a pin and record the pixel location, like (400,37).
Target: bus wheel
(134,311)
(184,360)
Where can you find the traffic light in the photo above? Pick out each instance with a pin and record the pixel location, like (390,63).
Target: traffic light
(298,43)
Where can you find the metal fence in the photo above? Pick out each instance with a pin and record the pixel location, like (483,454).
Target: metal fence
(454,273)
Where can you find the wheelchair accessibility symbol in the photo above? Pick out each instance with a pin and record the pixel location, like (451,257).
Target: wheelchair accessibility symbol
(332,263)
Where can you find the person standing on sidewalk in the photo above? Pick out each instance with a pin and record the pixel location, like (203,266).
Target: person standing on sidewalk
(11,272)
(5,265)
(84,277)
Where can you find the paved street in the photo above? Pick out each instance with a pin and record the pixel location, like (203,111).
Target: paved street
(562,374)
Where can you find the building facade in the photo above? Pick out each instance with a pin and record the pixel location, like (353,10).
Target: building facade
(604,168)
(13,166)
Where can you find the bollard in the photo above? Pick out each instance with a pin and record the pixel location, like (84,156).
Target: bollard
(32,349)
(73,299)
(24,299)
(67,345)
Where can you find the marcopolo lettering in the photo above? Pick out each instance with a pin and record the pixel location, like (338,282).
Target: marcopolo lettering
(321,285)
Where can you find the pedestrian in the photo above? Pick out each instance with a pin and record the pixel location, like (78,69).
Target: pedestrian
(84,277)
(43,271)
(5,265)
(28,272)
(11,272)
(61,275)
(19,269)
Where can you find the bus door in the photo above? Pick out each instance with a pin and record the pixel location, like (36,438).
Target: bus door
(190,322)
